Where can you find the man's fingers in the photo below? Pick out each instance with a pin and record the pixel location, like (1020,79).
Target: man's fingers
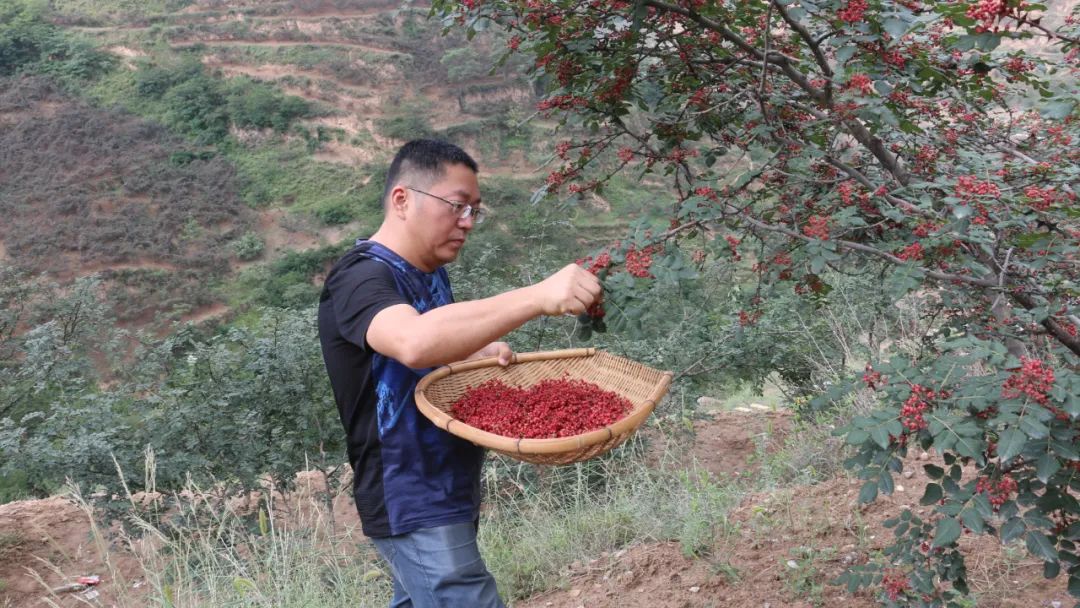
(593,287)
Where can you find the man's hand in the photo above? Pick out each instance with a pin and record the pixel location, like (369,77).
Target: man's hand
(501,350)
(569,291)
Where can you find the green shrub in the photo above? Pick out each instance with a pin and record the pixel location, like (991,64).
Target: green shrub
(404,127)
(340,212)
(249,246)
(29,44)
(197,108)
(258,106)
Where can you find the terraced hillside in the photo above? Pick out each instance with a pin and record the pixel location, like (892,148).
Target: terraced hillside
(230,150)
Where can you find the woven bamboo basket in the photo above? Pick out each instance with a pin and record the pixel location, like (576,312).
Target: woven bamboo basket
(641,385)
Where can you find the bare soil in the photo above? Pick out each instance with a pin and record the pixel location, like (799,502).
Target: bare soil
(783,547)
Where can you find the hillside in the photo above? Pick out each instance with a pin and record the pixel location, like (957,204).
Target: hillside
(228,134)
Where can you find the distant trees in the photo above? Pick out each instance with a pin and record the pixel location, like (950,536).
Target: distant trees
(225,408)
(29,44)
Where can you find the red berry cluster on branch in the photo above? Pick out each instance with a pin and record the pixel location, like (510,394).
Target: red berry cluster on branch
(872,378)
(1034,379)
(638,261)
(817,226)
(913,251)
(911,413)
(968,187)
(548,409)
(853,11)
(998,492)
(895,584)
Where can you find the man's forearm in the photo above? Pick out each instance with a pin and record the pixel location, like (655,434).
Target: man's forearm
(455,331)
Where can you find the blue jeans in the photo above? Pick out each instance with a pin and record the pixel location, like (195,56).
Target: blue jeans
(439,568)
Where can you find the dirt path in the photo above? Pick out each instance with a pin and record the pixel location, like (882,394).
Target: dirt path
(283,43)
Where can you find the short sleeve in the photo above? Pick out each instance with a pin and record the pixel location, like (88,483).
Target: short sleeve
(358,293)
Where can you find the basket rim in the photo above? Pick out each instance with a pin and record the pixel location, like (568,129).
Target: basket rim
(556,445)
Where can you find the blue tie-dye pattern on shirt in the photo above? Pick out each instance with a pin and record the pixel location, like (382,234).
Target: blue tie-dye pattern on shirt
(430,477)
(395,382)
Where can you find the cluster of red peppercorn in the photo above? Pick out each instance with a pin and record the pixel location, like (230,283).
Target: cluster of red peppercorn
(853,11)
(1034,379)
(872,378)
(911,414)
(638,261)
(548,409)
(998,492)
(896,584)
(594,315)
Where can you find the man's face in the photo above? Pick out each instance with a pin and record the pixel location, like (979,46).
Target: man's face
(433,222)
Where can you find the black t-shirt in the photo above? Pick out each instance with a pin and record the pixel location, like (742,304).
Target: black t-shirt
(408,473)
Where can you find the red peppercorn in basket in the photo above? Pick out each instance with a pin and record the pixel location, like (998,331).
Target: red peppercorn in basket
(549,408)
(555,407)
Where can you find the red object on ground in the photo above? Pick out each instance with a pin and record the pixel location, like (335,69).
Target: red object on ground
(548,409)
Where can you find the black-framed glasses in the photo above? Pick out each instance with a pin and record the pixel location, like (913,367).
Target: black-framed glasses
(462,211)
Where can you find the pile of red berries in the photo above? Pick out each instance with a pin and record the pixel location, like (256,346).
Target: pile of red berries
(548,409)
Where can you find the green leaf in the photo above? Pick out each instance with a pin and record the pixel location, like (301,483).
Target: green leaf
(1012,529)
(1033,428)
(932,494)
(895,27)
(972,520)
(1074,584)
(885,483)
(1051,569)
(946,533)
(880,435)
(1057,110)
(845,52)
(1046,467)
(933,471)
(868,492)
(1040,546)
(1011,443)
(857,437)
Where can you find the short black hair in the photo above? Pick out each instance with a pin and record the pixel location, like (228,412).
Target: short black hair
(428,159)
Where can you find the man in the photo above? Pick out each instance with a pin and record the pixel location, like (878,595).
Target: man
(386,318)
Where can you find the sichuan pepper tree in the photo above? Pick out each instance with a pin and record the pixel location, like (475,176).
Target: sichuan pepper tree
(920,140)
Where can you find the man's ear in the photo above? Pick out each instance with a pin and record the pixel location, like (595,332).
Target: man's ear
(398,202)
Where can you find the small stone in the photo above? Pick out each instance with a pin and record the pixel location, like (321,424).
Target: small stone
(848,547)
(924,456)
(641,589)
(710,403)
(1055,604)
(575,592)
(695,589)
(899,488)
(908,474)
(550,604)
(792,564)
